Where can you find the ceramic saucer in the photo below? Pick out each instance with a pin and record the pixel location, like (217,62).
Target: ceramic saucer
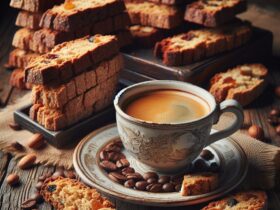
(229,155)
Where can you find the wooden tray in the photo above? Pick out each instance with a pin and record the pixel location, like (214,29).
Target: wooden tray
(141,64)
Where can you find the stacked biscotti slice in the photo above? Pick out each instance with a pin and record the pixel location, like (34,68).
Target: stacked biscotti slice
(73,80)
(194,45)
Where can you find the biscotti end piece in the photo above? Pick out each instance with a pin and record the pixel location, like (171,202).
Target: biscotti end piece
(65,193)
(28,20)
(243,83)
(70,58)
(212,13)
(34,5)
(255,200)
(197,184)
(151,14)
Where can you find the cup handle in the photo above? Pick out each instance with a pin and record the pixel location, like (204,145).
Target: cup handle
(228,106)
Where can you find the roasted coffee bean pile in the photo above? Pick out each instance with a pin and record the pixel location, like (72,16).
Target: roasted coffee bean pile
(118,168)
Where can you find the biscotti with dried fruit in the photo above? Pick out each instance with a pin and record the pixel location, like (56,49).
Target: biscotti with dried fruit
(20,58)
(145,36)
(17,79)
(81,13)
(194,45)
(251,200)
(243,83)
(212,13)
(23,39)
(155,15)
(71,58)
(58,97)
(65,193)
(29,20)
(197,184)
(167,2)
(34,5)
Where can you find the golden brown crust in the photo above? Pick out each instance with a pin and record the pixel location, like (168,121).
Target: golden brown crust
(253,200)
(197,184)
(243,83)
(20,58)
(23,39)
(34,5)
(65,193)
(17,79)
(28,20)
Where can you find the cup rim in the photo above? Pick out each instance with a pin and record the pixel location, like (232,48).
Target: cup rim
(212,104)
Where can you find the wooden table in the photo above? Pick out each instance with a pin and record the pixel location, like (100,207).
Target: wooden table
(11,198)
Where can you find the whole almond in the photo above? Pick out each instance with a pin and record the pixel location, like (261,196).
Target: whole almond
(36,141)
(12,179)
(27,161)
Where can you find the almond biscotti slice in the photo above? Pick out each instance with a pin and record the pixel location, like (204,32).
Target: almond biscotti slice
(29,20)
(20,58)
(23,39)
(243,83)
(197,184)
(65,193)
(34,5)
(212,13)
(253,200)
(80,14)
(194,45)
(57,97)
(71,58)
(151,14)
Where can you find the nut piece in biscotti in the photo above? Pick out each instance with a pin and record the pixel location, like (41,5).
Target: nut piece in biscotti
(145,36)
(243,83)
(23,39)
(28,20)
(254,200)
(197,184)
(71,58)
(212,13)
(151,14)
(65,193)
(194,45)
(20,58)
(34,5)
(83,13)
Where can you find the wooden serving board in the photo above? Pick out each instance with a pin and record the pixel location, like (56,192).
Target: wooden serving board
(142,65)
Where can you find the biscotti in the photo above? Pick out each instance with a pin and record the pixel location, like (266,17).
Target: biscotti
(251,200)
(212,13)
(17,79)
(145,36)
(20,58)
(34,5)
(151,14)
(65,193)
(23,39)
(70,58)
(46,39)
(167,2)
(194,45)
(57,97)
(197,184)
(28,20)
(243,83)
(82,13)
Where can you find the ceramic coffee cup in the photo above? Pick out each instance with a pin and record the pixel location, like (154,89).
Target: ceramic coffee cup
(170,147)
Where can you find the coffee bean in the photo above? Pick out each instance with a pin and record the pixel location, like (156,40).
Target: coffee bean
(178,187)
(117,177)
(200,165)
(127,170)
(141,185)
(214,167)
(103,155)
(108,165)
(28,204)
(36,141)
(15,126)
(122,163)
(277,129)
(129,183)
(12,179)
(58,174)
(277,91)
(37,197)
(274,112)
(39,185)
(112,148)
(152,180)
(164,179)
(70,174)
(168,187)
(273,120)
(206,154)
(115,156)
(177,179)
(149,175)
(16,145)
(156,188)
(135,176)
(27,161)
(149,186)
